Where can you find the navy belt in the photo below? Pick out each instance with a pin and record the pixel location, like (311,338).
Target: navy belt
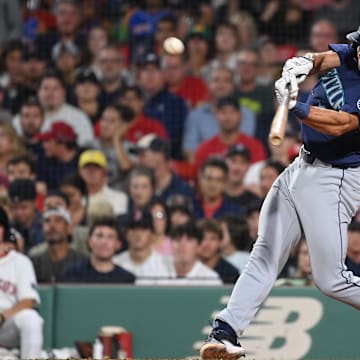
(310,158)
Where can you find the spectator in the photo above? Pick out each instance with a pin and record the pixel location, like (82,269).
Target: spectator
(93,169)
(12,59)
(52,97)
(198,51)
(188,268)
(343,13)
(104,242)
(97,39)
(67,59)
(74,186)
(114,124)
(180,209)
(285,21)
(238,161)
(10,25)
(166,27)
(25,217)
(61,154)
(141,190)
(34,66)
(268,175)
(142,125)
(157,158)
(258,98)
(162,105)
(50,264)
(284,153)
(142,26)
(31,120)
(141,259)
(12,79)
(226,46)
(210,251)
(142,184)
(229,117)
(20,324)
(10,146)
(352,260)
(236,242)
(322,33)
(201,123)
(246,26)
(23,167)
(87,95)
(111,64)
(211,202)
(68,18)
(192,89)
(79,233)
(160,236)
(270,62)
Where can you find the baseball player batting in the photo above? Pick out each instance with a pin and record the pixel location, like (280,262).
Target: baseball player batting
(20,325)
(318,193)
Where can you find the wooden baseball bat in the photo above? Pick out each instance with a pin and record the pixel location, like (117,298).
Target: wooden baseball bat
(279,123)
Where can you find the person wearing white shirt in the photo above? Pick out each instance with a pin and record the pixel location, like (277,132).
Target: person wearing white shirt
(20,324)
(93,169)
(141,260)
(52,96)
(188,270)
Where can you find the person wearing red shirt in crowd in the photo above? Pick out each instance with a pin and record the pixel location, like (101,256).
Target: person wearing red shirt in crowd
(191,88)
(132,97)
(229,116)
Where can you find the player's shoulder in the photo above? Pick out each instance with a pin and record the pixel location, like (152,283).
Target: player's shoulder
(17,258)
(344,51)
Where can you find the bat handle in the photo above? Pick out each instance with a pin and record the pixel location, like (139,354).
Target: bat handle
(278,126)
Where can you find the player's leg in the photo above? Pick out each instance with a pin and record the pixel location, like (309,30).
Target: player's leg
(30,327)
(279,231)
(9,335)
(326,203)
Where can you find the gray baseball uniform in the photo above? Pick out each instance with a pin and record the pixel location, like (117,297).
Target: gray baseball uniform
(319,194)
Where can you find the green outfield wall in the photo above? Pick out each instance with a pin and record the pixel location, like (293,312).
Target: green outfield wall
(294,323)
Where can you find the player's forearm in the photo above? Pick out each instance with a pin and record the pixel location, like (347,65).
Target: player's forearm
(21,305)
(331,122)
(324,62)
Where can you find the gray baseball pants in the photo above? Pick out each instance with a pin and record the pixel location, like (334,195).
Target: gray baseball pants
(320,201)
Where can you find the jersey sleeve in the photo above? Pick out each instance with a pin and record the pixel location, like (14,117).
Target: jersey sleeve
(343,50)
(26,280)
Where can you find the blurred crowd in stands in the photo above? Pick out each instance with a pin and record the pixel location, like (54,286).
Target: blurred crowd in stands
(122,163)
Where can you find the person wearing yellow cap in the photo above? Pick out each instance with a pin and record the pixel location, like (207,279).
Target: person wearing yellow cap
(93,169)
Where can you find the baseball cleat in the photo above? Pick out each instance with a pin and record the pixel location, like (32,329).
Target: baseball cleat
(222,343)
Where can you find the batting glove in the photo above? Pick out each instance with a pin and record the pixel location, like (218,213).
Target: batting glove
(281,87)
(299,66)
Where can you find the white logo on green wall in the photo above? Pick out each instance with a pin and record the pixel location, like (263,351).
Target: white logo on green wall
(281,328)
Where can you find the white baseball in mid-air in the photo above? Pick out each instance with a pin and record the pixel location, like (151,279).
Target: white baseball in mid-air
(173,46)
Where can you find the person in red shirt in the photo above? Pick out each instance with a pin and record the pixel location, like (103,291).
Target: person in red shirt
(228,115)
(132,97)
(192,89)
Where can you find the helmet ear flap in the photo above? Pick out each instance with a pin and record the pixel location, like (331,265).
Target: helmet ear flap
(354,38)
